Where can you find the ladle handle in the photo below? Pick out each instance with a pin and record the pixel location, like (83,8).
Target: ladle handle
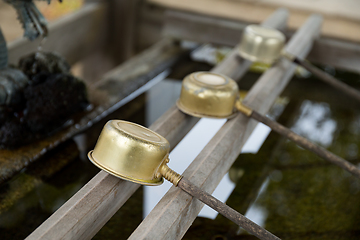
(225,210)
(303,142)
(328,79)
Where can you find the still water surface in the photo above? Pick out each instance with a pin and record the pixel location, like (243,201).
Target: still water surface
(284,188)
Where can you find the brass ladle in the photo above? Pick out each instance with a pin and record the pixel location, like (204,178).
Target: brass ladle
(135,153)
(205,94)
(262,44)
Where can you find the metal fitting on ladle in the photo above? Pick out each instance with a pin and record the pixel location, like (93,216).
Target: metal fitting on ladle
(135,153)
(169,174)
(266,45)
(221,100)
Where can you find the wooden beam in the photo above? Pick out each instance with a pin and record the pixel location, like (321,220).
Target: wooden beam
(149,25)
(73,36)
(93,205)
(124,15)
(209,29)
(121,26)
(336,53)
(202,28)
(176,211)
(342,25)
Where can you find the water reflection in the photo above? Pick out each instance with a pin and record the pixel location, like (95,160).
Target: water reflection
(193,143)
(160,98)
(315,123)
(181,157)
(257,213)
(288,190)
(292,192)
(186,151)
(34,194)
(312,203)
(308,198)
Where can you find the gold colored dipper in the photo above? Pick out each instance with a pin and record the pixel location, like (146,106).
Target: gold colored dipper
(265,45)
(221,100)
(135,153)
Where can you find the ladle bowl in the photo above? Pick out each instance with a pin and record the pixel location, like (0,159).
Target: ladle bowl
(261,44)
(265,45)
(200,99)
(205,94)
(135,153)
(131,152)
(230,100)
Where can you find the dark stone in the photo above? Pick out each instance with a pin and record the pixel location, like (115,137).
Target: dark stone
(4,115)
(52,96)
(49,104)
(13,133)
(43,62)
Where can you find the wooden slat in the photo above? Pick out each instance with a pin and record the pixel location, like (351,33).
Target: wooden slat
(149,25)
(209,29)
(123,18)
(73,36)
(334,25)
(336,53)
(93,205)
(176,211)
(202,28)
(346,9)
